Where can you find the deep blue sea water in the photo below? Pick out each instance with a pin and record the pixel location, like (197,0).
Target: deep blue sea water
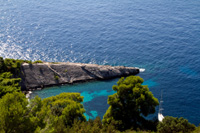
(161,36)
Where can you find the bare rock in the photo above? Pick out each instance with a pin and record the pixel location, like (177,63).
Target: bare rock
(48,74)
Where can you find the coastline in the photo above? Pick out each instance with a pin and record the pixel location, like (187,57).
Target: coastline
(40,75)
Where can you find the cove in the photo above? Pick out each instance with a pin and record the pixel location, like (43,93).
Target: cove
(95,94)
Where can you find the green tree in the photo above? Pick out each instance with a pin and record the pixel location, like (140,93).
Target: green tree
(197,130)
(10,75)
(130,104)
(8,84)
(12,65)
(175,125)
(57,111)
(38,61)
(14,114)
(2,65)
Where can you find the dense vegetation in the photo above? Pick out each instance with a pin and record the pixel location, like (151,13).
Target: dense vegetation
(63,113)
(12,66)
(14,114)
(8,84)
(129,106)
(10,75)
(175,125)
(10,71)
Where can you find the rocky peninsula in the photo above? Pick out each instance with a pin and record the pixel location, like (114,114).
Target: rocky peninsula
(46,74)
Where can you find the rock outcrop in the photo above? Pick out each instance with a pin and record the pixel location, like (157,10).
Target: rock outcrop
(48,74)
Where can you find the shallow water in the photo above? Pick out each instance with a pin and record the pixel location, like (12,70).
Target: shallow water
(160,36)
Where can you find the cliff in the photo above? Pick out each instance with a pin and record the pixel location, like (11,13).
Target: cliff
(48,74)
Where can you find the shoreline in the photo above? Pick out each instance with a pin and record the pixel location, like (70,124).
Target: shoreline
(41,75)
(30,91)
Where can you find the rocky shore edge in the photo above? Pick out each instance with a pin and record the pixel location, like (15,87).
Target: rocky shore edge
(40,75)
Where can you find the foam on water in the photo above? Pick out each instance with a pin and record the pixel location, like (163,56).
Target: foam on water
(140,69)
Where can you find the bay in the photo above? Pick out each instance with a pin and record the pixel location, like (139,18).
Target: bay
(160,36)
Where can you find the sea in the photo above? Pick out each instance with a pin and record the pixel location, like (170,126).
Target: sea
(160,36)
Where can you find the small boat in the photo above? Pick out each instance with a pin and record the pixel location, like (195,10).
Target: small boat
(160,115)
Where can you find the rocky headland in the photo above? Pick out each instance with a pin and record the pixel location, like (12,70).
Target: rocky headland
(40,75)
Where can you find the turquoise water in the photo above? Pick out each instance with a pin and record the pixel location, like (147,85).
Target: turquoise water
(95,95)
(158,35)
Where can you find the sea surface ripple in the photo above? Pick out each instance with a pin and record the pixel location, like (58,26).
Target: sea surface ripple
(161,36)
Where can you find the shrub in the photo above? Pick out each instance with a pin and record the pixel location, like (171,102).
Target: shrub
(38,61)
(56,77)
(175,125)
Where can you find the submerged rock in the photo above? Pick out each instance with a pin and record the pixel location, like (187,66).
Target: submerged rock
(48,74)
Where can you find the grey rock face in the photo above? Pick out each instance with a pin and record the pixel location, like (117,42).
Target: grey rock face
(48,74)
